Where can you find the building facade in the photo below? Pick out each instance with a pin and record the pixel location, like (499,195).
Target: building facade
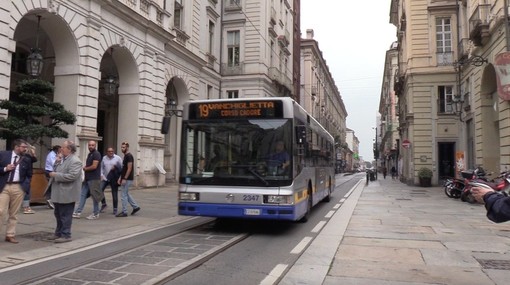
(154,55)
(319,94)
(389,139)
(453,106)
(352,161)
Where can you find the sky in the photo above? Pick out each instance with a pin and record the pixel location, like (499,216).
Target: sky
(353,37)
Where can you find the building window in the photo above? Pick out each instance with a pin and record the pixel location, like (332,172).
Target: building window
(233,48)
(209,91)
(211,37)
(445,99)
(231,94)
(178,14)
(444,41)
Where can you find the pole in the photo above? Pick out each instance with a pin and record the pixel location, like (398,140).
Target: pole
(377,154)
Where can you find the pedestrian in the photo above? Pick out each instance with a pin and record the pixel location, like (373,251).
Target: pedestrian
(496,204)
(26,199)
(65,183)
(384,171)
(48,167)
(125,180)
(91,183)
(15,175)
(111,166)
(393,172)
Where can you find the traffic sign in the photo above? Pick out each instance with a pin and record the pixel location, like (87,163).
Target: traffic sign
(406,144)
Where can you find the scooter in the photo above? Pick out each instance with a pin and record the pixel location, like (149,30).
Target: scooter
(477,175)
(453,187)
(502,184)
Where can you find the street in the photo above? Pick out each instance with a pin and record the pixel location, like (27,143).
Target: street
(189,251)
(269,246)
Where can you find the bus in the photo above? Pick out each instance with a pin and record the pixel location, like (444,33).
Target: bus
(258,158)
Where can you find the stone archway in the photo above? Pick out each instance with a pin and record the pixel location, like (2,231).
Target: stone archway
(128,106)
(108,102)
(489,144)
(60,53)
(177,92)
(51,34)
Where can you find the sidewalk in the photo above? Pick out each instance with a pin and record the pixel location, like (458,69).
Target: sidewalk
(158,208)
(400,234)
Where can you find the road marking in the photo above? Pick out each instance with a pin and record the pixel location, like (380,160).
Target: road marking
(342,200)
(337,206)
(329,214)
(301,246)
(318,227)
(274,274)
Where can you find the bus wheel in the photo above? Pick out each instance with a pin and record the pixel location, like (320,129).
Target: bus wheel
(328,197)
(305,218)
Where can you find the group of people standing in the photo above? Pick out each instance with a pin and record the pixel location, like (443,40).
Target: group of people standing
(66,176)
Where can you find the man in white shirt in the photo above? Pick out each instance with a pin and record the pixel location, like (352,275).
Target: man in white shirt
(111,166)
(49,167)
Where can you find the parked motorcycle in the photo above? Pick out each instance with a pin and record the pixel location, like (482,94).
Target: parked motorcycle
(453,187)
(501,184)
(477,175)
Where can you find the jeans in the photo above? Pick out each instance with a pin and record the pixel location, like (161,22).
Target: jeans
(26,199)
(64,216)
(126,197)
(115,191)
(85,193)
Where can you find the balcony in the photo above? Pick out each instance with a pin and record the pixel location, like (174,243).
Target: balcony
(180,36)
(211,59)
(444,58)
(232,69)
(151,10)
(283,40)
(233,5)
(281,79)
(479,25)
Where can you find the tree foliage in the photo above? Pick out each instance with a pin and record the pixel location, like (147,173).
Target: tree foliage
(32,115)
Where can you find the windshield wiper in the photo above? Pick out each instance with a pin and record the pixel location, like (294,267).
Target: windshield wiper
(256,174)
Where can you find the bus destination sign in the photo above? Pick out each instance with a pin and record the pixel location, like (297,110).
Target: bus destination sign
(236,110)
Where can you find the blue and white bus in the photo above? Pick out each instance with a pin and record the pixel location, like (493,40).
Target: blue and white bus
(259,158)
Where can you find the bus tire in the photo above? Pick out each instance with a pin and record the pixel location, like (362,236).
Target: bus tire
(328,197)
(309,205)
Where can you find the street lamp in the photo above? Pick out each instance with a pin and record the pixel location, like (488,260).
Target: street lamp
(110,86)
(170,111)
(35,59)
(458,100)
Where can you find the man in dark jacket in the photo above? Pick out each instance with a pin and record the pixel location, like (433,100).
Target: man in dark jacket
(15,176)
(497,205)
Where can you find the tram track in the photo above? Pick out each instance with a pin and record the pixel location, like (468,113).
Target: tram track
(54,267)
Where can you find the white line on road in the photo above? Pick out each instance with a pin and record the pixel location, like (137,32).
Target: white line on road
(329,214)
(342,200)
(301,246)
(337,206)
(318,227)
(274,274)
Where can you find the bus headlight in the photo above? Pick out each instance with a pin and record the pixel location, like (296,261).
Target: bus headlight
(278,199)
(188,196)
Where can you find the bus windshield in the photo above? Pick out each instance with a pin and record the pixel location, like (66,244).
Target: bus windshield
(243,152)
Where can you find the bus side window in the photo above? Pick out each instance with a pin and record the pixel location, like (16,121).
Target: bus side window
(300,134)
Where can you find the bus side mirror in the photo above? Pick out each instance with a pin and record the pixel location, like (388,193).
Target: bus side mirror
(300,134)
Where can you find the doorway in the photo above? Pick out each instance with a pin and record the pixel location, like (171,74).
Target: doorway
(446,159)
